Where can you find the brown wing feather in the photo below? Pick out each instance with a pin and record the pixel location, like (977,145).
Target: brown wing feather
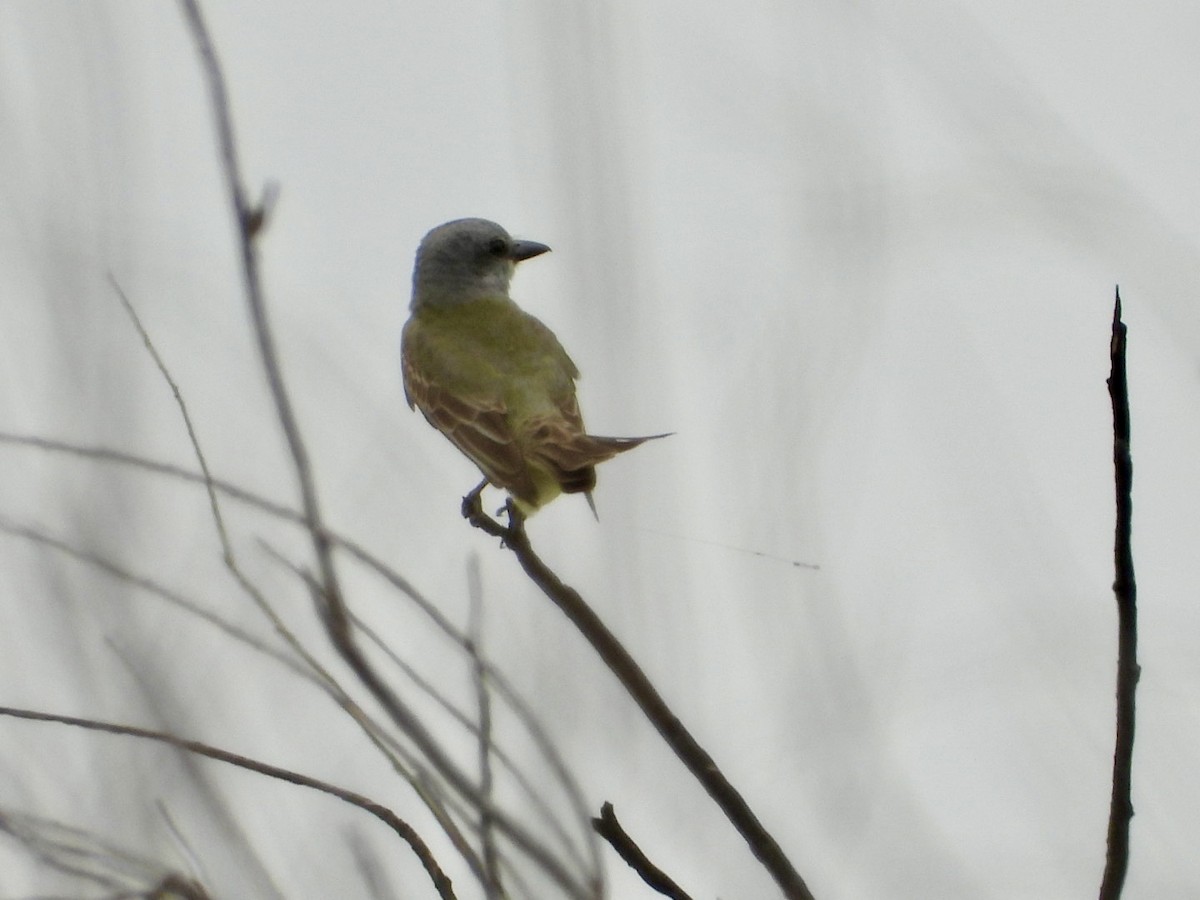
(478,428)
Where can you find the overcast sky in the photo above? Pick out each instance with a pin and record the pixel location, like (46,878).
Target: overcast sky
(860,258)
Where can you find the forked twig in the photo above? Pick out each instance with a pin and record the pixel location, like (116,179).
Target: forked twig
(762,844)
(610,829)
(399,826)
(520,837)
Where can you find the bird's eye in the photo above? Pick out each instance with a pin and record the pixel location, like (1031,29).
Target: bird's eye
(498,247)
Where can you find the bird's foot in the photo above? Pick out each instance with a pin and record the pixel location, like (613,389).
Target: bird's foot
(472,511)
(516,521)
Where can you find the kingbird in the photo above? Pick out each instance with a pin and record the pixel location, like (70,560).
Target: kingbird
(491,377)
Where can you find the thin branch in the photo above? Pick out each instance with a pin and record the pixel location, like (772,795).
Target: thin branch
(384,742)
(210,483)
(410,724)
(181,842)
(279,510)
(142,582)
(193,438)
(249,221)
(322,680)
(610,829)
(323,676)
(487,831)
(440,880)
(762,844)
(320,675)
(1125,587)
(325,683)
(227,553)
(525,715)
(416,774)
(80,853)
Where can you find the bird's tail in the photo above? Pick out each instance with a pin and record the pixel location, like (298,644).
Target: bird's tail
(574,455)
(574,459)
(607,447)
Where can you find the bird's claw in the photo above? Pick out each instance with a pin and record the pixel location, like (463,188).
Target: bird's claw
(516,521)
(472,510)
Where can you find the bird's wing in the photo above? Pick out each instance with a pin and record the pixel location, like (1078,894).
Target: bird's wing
(548,341)
(473,418)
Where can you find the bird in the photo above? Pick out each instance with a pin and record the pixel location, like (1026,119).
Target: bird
(491,377)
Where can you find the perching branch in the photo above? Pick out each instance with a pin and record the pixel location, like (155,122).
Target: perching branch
(385,815)
(1125,587)
(610,829)
(762,844)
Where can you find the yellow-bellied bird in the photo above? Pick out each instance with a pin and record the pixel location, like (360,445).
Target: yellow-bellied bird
(491,377)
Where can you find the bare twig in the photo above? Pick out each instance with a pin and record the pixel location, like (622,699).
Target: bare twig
(181,842)
(319,674)
(440,880)
(610,829)
(82,854)
(552,758)
(487,832)
(218,520)
(227,553)
(279,510)
(212,483)
(249,219)
(410,723)
(762,844)
(142,582)
(404,762)
(1125,588)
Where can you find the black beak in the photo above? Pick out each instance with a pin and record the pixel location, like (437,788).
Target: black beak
(523,250)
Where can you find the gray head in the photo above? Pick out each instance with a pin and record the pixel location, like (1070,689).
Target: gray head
(467,259)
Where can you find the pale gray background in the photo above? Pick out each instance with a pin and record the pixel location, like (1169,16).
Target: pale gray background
(860,257)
